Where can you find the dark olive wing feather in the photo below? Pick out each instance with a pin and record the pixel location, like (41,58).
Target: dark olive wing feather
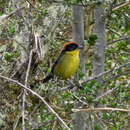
(53,67)
(57,61)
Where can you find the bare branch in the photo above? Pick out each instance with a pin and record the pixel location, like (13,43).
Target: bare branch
(110,7)
(16,123)
(30,3)
(116,76)
(101,109)
(120,39)
(28,69)
(14,12)
(110,91)
(37,95)
(23,109)
(121,6)
(79,99)
(78,4)
(59,21)
(110,30)
(24,91)
(33,7)
(106,72)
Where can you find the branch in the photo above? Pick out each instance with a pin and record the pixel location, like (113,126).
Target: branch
(102,96)
(110,91)
(79,99)
(121,6)
(14,12)
(106,72)
(116,76)
(24,91)
(30,3)
(110,7)
(34,7)
(59,21)
(28,69)
(37,95)
(79,4)
(120,39)
(16,123)
(110,30)
(101,109)
(5,17)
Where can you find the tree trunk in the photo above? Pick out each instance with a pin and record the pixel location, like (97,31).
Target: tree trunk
(99,56)
(78,36)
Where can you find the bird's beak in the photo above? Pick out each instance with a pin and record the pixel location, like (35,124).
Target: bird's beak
(80,47)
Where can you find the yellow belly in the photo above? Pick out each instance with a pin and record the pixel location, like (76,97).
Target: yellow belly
(68,64)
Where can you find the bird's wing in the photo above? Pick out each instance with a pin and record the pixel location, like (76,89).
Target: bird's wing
(57,61)
(53,67)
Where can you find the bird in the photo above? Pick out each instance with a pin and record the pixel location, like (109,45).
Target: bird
(67,63)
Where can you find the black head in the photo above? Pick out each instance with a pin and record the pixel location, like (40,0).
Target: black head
(70,46)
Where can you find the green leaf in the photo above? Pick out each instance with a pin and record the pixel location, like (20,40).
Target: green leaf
(90,98)
(81,74)
(44,12)
(49,70)
(11,30)
(92,39)
(97,127)
(113,128)
(74,1)
(8,56)
(39,16)
(104,101)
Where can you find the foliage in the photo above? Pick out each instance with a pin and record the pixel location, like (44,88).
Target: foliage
(52,22)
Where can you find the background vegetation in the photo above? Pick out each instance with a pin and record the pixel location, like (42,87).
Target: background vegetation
(31,36)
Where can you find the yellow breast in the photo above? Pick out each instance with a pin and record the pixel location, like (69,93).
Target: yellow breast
(68,64)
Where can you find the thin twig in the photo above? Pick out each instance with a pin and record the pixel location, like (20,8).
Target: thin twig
(79,99)
(37,45)
(106,72)
(101,109)
(37,95)
(116,76)
(110,91)
(24,91)
(23,109)
(120,39)
(79,4)
(110,7)
(54,27)
(14,12)
(28,69)
(121,6)
(16,123)
(110,30)
(30,3)
(33,7)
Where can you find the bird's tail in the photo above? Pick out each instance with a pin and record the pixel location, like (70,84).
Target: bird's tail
(48,78)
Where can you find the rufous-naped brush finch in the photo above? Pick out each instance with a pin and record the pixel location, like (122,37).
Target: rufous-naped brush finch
(67,63)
